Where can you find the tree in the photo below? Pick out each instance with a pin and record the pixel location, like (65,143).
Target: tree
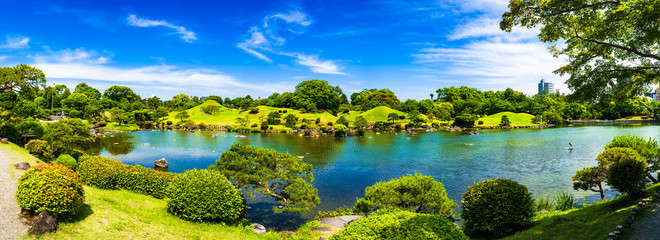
(159,113)
(211,109)
(648,149)
(68,136)
(76,101)
(465,120)
(360,122)
(320,93)
(551,117)
(611,45)
(21,78)
(417,193)
(589,178)
(290,120)
(371,98)
(342,120)
(626,169)
(182,115)
(214,98)
(279,175)
(90,92)
(274,118)
(243,121)
(25,109)
(505,121)
(119,93)
(153,102)
(392,117)
(118,115)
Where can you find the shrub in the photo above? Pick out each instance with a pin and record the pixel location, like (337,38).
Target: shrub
(399,224)
(39,148)
(75,113)
(99,171)
(543,204)
(68,161)
(647,149)
(101,123)
(254,125)
(264,125)
(505,122)
(563,201)
(304,125)
(318,120)
(204,195)
(417,193)
(379,125)
(626,169)
(480,122)
(536,119)
(169,123)
(465,120)
(497,207)
(340,130)
(33,127)
(50,187)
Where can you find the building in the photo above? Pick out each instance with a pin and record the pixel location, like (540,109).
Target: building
(546,87)
(657,94)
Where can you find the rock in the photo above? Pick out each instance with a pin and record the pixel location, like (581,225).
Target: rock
(4,140)
(333,222)
(258,229)
(162,163)
(289,233)
(321,229)
(349,218)
(43,223)
(22,165)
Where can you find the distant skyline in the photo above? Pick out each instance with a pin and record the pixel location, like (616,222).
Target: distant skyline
(233,49)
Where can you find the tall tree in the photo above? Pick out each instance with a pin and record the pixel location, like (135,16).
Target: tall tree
(21,78)
(119,93)
(91,92)
(610,44)
(280,175)
(320,93)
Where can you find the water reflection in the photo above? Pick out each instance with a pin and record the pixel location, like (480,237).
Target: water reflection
(343,168)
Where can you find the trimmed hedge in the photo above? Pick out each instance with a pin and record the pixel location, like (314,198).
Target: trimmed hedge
(400,224)
(626,169)
(50,187)
(106,173)
(40,149)
(205,195)
(497,207)
(68,161)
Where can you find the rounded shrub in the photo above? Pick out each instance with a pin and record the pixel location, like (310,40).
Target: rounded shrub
(205,195)
(40,149)
(50,187)
(101,123)
(68,161)
(496,207)
(400,224)
(99,171)
(626,169)
(144,180)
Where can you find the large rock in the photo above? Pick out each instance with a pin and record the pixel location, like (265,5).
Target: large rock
(330,221)
(43,223)
(4,140)
(161,163)
(22,165)
(258,229)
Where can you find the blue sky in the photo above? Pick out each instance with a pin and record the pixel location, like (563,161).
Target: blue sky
(235,48)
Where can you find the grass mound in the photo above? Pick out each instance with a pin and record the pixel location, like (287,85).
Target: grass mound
(517,119)
(375,114)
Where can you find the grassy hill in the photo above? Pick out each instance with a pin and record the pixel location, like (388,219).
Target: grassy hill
(517,119)
(375,114)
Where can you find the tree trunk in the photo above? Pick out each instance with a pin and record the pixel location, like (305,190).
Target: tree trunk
(602,194)
(650,176)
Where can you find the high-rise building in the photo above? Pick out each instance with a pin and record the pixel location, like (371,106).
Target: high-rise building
(546,87)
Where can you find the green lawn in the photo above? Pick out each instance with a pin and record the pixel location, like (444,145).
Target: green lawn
(517,119)
(17,154)
(124,127)
(374,114)
(592,222)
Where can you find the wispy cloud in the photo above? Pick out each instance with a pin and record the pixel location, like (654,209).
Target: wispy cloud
(186,35)
(79,55)
(18,42)
(270,39)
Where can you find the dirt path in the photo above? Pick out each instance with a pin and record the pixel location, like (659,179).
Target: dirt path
(647,226)
(10,226)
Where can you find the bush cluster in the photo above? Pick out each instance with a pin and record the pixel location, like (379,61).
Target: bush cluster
(68,161)
(626,169)
(205,195)
(40,149)
(497,207)
(400,224)
(50,187)
(106,173)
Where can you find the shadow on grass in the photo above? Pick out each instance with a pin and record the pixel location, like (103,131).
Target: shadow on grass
(83,212)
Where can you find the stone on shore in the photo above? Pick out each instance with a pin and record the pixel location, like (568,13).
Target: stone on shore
(258,229)
(22,165)
(162,163)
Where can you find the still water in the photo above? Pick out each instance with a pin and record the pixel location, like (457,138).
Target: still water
(344,167)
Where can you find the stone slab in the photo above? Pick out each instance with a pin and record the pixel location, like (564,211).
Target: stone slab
(349,218)
(321,229)
(333,222)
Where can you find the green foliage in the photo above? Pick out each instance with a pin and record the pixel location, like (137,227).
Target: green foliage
(211,109)
(536,119)
(21,78)
(392,117)
(335,213)
(552,117)
(318,92)
(68,136)
(505,121)
(106,173)
(371,98)
(68,161)
(121,93)
(626,169)
(497,207)
(290,120)
(360,122)
(399,224)
(543,204)
(274,118)
(416,193)
(379,125)
(480,122)
(182,115)
(205,195)
(50,187)
(340,130)
(589,179)
(40,149)
(563,201)
(647,149)
(33,127)
(280,175)
(342,120)
(169,123)
(465,120)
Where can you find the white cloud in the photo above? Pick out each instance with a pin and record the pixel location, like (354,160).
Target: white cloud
(267,39)
(79,55)
(18,42)
(317,65)
(488,6)
(292,17)
(489,27)
(186,35)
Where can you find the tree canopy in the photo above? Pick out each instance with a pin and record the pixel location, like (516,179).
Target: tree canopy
(320,93)
(21,78)
(280,175)
(119,93)
(612,46)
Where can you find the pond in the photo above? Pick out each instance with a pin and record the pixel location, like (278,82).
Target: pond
(344,167)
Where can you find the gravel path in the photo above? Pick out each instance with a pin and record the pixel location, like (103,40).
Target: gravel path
(10,226)
(647,226)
